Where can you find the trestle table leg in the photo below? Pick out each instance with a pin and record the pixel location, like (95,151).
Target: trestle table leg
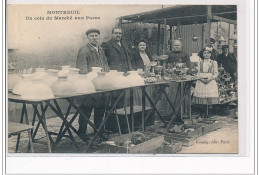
(42,120)
(104,120)
(21,121)
(132,108)
(186,89)
(143,107)
(154,107)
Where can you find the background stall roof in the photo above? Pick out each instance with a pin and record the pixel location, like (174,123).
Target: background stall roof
(183,14)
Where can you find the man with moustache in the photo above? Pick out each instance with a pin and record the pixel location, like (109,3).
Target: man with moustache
(91,55)
(118,56)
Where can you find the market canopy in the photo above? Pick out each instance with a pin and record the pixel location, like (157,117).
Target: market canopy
(185,15)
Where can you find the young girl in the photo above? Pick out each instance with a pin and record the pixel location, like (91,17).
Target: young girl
(206,90)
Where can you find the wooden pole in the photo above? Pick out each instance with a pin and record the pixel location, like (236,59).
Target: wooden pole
(228,33)
(158,39)
(164,36)
(120,23)
(208,25)
(171,38)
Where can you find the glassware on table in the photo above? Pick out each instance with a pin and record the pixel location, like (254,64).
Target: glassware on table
(37,90)
(63,87)
(25,81)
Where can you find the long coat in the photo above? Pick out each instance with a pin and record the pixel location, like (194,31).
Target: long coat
(119,58)
(89,57)
(229,63)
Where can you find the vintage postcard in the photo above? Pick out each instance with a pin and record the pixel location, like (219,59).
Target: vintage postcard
(124,79)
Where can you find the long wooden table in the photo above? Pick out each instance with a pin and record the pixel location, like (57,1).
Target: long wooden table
(40,107)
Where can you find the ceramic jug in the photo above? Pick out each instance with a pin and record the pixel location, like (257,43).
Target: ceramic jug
(102,82)
(51,77)
(39,73)
(112,75)
(134,79)
(65,70)
(13,78)
(25,81)
(73,75)
(63,87)
(37,90)
(84,85)
(121,80)
(94,73)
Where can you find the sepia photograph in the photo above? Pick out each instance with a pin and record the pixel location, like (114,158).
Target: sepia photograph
(122,79)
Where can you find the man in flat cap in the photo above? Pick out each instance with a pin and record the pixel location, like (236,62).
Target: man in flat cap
(214,52)
(228,61)
(91,55)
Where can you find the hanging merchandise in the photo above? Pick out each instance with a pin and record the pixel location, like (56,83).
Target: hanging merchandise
(178,32)
(195,37)
(154,36)
(220,38)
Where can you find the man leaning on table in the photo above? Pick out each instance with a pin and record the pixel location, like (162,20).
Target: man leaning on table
(91,55)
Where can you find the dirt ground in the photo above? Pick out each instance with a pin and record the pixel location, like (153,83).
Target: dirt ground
(223,140)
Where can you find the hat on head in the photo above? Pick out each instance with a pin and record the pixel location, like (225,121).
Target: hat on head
(212,40)
(224,47)
(92,30)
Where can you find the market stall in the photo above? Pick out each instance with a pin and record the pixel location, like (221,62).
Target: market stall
(40,106)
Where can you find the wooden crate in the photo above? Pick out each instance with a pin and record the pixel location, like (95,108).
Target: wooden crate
(194,134)
(185,140)
(210,125)
(153,145)
(174,147)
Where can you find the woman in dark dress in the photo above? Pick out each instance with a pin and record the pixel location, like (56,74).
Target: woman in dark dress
(140,58)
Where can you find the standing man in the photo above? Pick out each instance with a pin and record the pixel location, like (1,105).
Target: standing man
(214,52)
(91,55)
(228,61)
(118,56)
(177,55)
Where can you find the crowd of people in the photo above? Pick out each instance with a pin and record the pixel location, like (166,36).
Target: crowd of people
(114,55)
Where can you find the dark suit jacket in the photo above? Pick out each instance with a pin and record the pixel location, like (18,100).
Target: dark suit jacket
(137,61)
(229,63)
(118,58)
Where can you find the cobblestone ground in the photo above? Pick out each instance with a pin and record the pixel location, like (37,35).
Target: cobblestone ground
(223,140)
